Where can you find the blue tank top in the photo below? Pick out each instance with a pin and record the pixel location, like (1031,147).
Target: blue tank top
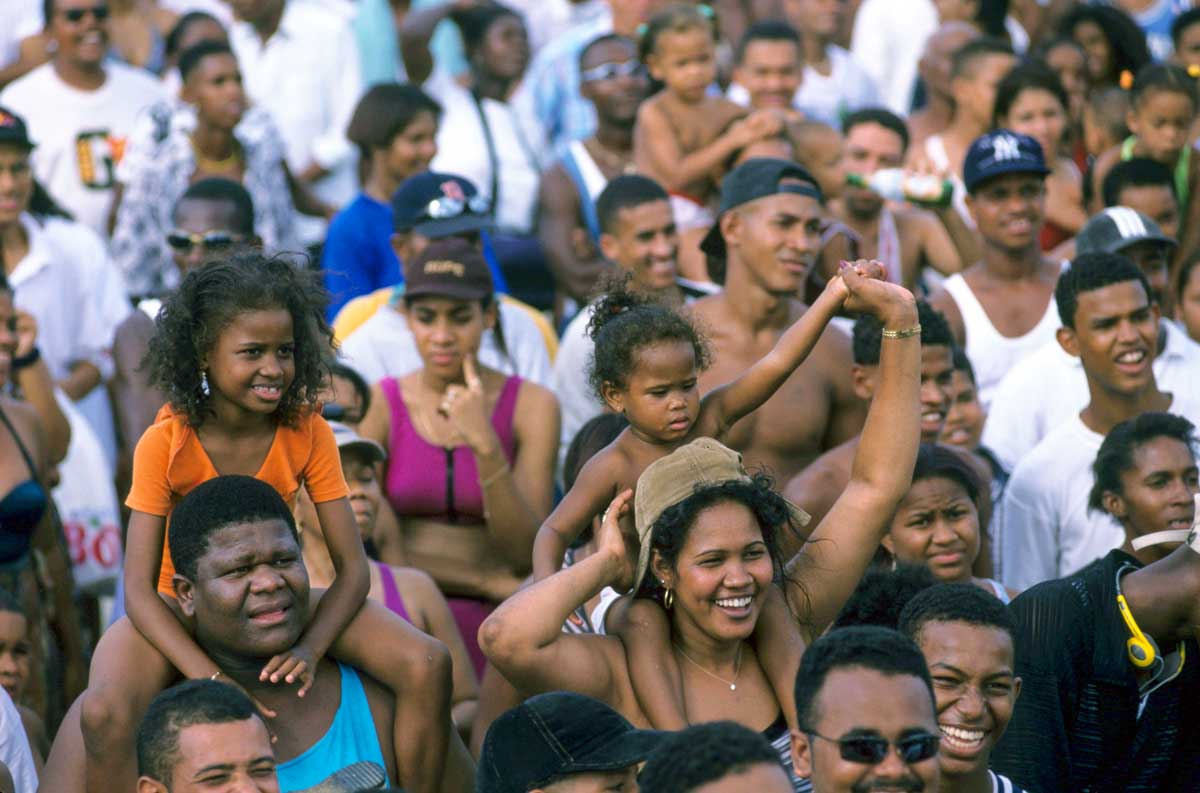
(351,738)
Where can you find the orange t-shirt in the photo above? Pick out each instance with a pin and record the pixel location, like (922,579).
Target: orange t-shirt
(169,461)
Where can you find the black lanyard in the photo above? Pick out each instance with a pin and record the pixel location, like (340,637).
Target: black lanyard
(493,159)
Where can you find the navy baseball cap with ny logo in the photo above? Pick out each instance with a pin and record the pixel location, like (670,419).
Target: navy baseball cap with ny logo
(1001,152)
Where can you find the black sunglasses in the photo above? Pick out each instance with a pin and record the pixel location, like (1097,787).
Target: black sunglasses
(183,242)
(872,749)
(77,14)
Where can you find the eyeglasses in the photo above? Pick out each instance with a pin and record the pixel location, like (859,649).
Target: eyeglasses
(872,749)
(183,242)
(77,14)
(609,71)
(446,207)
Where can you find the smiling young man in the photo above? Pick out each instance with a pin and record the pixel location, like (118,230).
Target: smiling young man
(1044,528)
(867,714)
(203,735)
(966,636)
(767,71)
(1001,308)
(762,248)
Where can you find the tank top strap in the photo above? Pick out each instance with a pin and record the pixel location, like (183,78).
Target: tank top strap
(1183,168)
(1127,147)
(502,415)
(975,319)
(391,592)
(390,387)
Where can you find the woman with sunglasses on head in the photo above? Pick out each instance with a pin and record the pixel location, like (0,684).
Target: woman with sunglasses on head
(471,451)
(214,134)
(81,107)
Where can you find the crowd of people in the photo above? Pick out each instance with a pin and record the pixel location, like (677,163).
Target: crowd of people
(599,395)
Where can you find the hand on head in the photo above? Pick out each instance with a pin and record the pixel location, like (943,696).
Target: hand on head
(613,539)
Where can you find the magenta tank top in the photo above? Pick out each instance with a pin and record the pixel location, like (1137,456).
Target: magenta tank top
(428,481)
(391,592)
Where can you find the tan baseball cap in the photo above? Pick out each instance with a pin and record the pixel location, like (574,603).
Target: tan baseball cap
(671,479)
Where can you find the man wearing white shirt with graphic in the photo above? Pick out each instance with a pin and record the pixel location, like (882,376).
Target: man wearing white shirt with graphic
(80,107)
(300,61)
(1021,415)
(1044,528)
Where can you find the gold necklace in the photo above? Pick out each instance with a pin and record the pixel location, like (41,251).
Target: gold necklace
(737,667)
(206,163)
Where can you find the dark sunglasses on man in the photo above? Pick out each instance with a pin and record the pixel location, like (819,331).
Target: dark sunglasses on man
(77,14)
(610,71)
(872,749)
(210,241)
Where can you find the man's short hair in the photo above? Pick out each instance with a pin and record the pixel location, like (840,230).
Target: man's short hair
(956,603)
(607,38)
(882,594)
(702,754)
(1121,444)
(1089,272)
(226,191)
(190,58)
(1136,172)
(867,338)
(967,57)
(213,505)
(625,192)
(962,363)
(881,650)
(766,30)
(881,116)
(1182,23)
(176,709)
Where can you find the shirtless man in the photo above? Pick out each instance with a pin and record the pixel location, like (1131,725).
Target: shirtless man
(1002,308)
(612,79)
(905,239)
(762,248)
(934,68)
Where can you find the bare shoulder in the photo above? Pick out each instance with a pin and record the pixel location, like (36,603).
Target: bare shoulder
(913,220)
(556,183)
(833,349)
(945,303)
(535,397)
(830,470)
(28,426)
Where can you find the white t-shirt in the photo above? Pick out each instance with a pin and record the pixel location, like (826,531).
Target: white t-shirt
(1022,413)
(993,355)
(18,19)
(383,346)
(517,141)
(308,76)
(888,39)
(14,746)
(71,287)
(80,135)
(1043,526)
(848,87)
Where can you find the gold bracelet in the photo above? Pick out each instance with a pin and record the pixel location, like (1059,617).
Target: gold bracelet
(901,334)
(494,478)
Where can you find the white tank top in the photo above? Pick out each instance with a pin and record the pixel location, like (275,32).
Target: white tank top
(992,354)
(935,150)
(593,178)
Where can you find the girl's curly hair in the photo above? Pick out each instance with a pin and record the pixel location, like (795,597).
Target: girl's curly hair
(670,532)
(193,317)
(623,322)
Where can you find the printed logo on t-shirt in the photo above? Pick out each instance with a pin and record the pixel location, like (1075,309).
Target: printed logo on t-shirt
(97,152)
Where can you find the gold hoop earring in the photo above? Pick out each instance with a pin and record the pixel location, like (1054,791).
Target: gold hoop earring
(668,598)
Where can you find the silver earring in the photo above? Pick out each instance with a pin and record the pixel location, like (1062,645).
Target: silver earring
(204,389)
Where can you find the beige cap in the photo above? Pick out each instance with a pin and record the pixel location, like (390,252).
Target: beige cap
(669,480)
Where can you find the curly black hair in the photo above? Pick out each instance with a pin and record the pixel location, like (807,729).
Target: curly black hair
(209,298)
(704,753)
(1126,41)
(670,531)
(623,322)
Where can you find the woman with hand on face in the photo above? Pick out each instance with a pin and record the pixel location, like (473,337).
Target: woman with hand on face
(937,522)
(471,451)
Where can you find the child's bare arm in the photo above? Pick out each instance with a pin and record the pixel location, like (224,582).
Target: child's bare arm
(593,490)
(643,628)
(146,610)
(779,646)
(341,603)
(657,152)
(722,407)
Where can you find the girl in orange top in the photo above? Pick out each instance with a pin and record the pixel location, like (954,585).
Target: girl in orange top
(240,352)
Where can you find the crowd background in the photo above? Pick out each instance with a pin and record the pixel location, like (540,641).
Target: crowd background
(518,254)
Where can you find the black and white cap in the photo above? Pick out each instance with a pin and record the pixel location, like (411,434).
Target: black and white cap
(1115,229)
